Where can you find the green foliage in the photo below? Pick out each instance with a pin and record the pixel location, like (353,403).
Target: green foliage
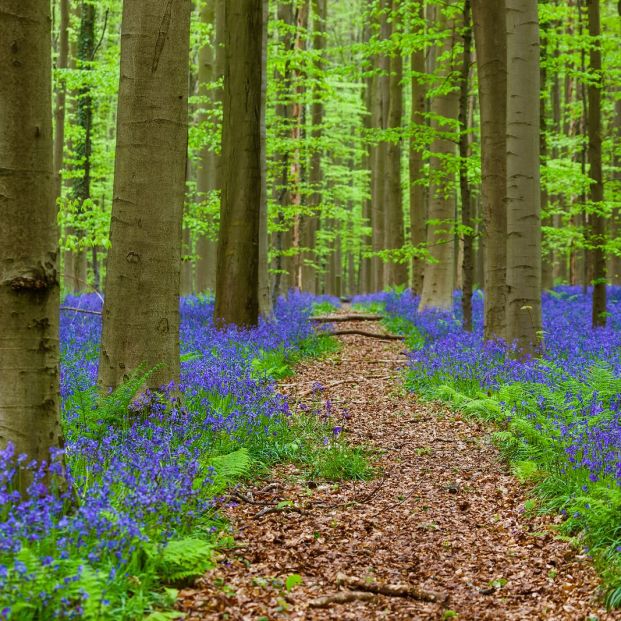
(339,461)
(181,560)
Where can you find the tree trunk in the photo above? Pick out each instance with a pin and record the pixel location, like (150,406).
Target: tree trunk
(29,288)
(523,182)
(265,297)
(310,224)
(210,69)
(83,147)
(365,283)
(61,95)
(547,263)
(237,282)
(281,194)
(141,309)
(491,50)
(597,220)
(378,171)
(395,272)
(464,153)
(439,276)
(614,268)
(418,204)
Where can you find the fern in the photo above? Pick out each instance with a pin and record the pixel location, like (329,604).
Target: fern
(182,559)
(230,467)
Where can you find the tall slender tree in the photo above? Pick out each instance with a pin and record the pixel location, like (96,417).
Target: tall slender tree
(310,224)
(464,184)
(418,203)
(141,310)
(210,70)
(597,219)
(523,178)
(29,288)
(237,280)
(439,278)
(61,94)
(395,272)
(379,122)
(83,144)
(491,52)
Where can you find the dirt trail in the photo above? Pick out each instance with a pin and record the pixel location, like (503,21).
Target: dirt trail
(445,517)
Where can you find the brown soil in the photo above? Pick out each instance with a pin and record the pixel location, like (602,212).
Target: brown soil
(443,517)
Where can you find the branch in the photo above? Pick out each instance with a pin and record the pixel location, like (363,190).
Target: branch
(80,310)
(391,590)
(343,318)
(340,598)
(372,335)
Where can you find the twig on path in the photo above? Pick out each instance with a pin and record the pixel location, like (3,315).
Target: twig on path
(344,318)
(80,310)
(252,501)
(372,335)
(343,597)
(391,590)
(277,509)
(332,385)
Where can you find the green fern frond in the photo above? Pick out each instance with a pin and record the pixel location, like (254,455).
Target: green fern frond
(183,559)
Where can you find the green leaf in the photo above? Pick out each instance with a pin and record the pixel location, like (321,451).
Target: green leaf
(292,581)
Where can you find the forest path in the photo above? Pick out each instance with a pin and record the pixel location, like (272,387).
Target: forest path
(445,516)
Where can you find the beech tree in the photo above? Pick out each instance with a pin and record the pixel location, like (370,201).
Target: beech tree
(237,279)
(141,310)
(210,70)
(523,177)
(395,272)
(418,204)
(439,278)
(29,287)
(491,50)
(594,126)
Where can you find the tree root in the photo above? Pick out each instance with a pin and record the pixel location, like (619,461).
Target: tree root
(391,590)
(277,509)
(344,318)
(342,597)
(372,335)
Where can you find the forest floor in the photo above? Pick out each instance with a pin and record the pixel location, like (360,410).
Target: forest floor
(443,520)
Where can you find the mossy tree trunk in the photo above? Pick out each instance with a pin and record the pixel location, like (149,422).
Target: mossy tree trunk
(29,288)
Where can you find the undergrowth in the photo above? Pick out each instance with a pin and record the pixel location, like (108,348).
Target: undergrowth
(129,513)
(559,431)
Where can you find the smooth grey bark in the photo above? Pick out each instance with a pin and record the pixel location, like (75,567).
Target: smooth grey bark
(491,52)
(141,309)
(418,202)
(439,278)
(523,180)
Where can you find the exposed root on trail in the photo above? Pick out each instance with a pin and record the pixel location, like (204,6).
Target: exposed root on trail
(445,519)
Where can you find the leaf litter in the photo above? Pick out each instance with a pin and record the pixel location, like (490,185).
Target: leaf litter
(440,533)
